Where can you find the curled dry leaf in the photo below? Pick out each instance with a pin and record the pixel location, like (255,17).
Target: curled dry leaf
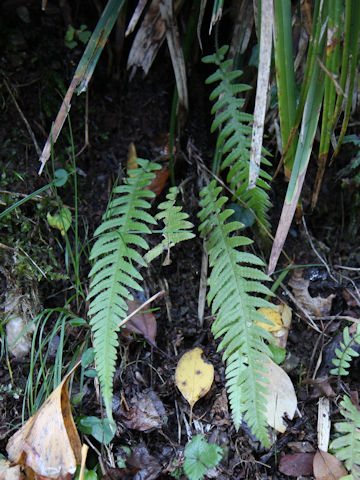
(194,376)
(143,323)
(327,467)
(158,183)
(281,399)
(317,306)
(146,411)
(48,444)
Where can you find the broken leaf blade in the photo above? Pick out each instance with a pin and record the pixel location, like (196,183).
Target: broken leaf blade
(194,376)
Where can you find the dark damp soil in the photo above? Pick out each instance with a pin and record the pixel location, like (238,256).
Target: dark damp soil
(36,67)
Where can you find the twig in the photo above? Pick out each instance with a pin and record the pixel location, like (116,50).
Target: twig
(145,304)
(31,133)
(304,312)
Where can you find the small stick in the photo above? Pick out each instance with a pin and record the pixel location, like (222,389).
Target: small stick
(31,133)
(137,310)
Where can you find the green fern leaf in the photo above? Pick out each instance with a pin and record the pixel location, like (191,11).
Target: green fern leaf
(347,446)
(235,136)
(233,285)
(345,353)
(114,271)
(175,228)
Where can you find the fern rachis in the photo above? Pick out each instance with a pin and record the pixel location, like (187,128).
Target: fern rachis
(176,226)
(234,286)
(235,135)
(114,271)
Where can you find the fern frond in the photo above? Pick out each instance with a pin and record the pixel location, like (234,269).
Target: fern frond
(235,136)
(345,353)
(176,227)
(114,272)
(234,281)
(347,446)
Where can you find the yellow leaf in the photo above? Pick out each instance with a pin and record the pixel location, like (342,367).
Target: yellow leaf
(274,316)
(194,376)
(131,163)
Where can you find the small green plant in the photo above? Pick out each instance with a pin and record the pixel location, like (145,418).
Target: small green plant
(200,456)
(345,353)
(347,445)
(73,36)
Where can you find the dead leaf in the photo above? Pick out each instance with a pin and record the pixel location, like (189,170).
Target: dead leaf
(273,316)
(297,464)
(301,447)
(143,323)
(149,467)
(148,39)
(9,472)
(280,318)
(146,411)
(327,466)
(281,398)
(317,306)
(194,376)
(220,409)
(322,387)
(49,443)
(158,182)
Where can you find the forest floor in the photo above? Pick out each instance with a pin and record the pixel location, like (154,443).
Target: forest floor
(36,68)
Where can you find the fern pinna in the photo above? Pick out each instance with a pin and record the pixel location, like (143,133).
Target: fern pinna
(114,271)
(235,285)
(345,353)
(234,139)
(347,445)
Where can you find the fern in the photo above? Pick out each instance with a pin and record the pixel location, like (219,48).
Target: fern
(235,135)
(175,227)
(347,446)
(345,353)
(234,279)
(114,271)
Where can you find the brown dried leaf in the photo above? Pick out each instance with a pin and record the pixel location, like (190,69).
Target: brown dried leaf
(323,387)
(220,409)
(317,306)
(158,182)
(327,467)
(49,443)
(146,411)
(143,323)
(297,464)
(301,447)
